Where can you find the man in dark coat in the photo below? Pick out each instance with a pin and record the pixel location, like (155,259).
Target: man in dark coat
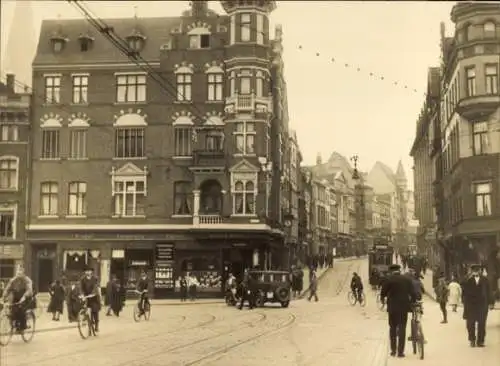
(476,297)
(400,294)
(248,293)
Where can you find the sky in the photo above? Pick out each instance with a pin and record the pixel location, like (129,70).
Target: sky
(332,107)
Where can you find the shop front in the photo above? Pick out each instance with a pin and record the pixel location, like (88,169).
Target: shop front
(11,256)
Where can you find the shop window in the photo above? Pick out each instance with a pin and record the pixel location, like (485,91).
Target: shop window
(7,270)
(207,270)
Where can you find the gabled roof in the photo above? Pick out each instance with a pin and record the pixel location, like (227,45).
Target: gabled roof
(386,170)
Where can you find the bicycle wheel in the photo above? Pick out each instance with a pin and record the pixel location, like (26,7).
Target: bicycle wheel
(137,313)
(147,310)
(29,332)
(351,298)
(420,341)
(414,336)
(6,330)
(362,300)
(83,324)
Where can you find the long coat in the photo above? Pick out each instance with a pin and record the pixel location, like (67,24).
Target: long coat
(400,293)
(57,295)
(455,293)
(476,298)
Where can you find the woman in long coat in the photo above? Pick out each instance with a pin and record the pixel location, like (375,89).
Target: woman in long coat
(117,298)
(455,294)
(57,294)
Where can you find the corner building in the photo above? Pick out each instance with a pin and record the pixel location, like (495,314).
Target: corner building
(470,149)
(131,175)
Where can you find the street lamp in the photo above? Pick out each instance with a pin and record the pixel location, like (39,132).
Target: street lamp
(287,223)
(267,169)
(358,192)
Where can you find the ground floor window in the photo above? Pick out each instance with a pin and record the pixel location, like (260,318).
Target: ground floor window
(7,271)
(206,268)
(75,262)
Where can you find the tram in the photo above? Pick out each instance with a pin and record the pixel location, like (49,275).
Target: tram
(379,259)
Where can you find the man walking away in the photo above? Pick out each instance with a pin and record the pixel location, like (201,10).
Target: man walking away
(400,294)
(442,296)
(248,292)
(313,288)
(476,297)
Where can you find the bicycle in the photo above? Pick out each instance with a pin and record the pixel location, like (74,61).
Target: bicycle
(417,333)
(146,308)
(86,321)
(13,326)
(353,299)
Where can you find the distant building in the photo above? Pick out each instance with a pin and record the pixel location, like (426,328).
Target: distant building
(14,182)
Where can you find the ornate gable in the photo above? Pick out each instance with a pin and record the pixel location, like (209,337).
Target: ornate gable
(244,166)
(129,170)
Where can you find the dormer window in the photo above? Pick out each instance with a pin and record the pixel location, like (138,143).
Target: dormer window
(58,42)
(136,41)
(489,29)
(85,42)
(199,41)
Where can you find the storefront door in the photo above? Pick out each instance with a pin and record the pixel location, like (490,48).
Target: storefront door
(45,274)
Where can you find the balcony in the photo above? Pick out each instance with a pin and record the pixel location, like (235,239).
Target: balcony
(478,106)
(209,158)
(248,103)
(210,219)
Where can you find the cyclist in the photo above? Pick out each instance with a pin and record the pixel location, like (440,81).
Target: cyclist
(357,286)
(142,290)
(20,288)
(89,289)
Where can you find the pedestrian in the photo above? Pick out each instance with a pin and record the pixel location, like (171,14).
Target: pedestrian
(73,302)
(313,288)
(248,292)
(192,283)
(441,291)
(118,298)
(56,303)
(476,297)
(110,290)
(183,287)
(454,294)
(400,294)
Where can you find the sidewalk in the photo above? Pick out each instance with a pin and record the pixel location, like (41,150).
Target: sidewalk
(448,343)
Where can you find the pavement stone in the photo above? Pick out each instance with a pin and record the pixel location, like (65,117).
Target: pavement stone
(447,343)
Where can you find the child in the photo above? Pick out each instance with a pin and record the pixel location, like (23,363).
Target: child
(313,288)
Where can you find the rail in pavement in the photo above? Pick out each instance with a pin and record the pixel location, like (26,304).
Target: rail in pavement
(448,344)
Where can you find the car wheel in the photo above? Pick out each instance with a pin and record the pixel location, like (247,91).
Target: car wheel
(283,294)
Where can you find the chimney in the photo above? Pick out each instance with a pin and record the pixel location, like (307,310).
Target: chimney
(11,82)
(199,8)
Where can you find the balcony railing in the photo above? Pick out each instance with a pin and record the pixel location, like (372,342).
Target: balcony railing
(248,103)
(210,219)
(209,158)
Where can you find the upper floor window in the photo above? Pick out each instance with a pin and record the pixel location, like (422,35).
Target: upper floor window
(489,29)
(129,197)
(232,83)
(260,29)
(480,138)
(136,41)
(245,85)
(183,140)
(9,132)
(469,32)
(80,89)
(77,200)
(199,41)
(85,42)
(471,82)
(7,223)
(78,143)
(131,88)
(482,192)
(50,144)
(49,198)
(9,172)
(184,84)
(245,27)
(259,84)
(52,89)
(182,198)
(129,142)
(215,86)
(244,196)
(245,137)
(491,75)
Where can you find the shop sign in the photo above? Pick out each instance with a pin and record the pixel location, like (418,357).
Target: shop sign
(11,250)
(165,251)
(139,263)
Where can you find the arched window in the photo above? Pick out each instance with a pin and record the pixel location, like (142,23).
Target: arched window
(489,29)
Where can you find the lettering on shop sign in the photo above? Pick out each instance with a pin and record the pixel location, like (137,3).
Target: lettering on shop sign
(165,251)
(83,236)
(130,237)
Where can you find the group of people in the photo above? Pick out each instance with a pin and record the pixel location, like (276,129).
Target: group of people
(188,286)
(401,292)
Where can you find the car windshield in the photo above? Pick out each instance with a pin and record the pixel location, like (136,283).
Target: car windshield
(271,276)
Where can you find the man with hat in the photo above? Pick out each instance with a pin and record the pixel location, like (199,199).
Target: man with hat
(400,294)
(89,289)
(476,297)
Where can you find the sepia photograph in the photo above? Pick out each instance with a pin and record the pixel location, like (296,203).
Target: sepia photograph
(249,183)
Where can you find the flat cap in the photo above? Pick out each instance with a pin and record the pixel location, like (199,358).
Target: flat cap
(475,267)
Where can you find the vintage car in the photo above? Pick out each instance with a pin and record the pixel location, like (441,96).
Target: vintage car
(272,286)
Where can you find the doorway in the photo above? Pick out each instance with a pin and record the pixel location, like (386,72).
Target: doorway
(45,274)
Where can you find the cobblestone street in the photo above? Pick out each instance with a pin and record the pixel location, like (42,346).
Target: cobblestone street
(329,332)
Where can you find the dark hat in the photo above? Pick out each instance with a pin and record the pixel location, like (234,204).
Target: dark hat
(89,268)
(475,267)
(394,267)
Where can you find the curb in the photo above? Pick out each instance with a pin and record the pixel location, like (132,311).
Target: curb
(382,353)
